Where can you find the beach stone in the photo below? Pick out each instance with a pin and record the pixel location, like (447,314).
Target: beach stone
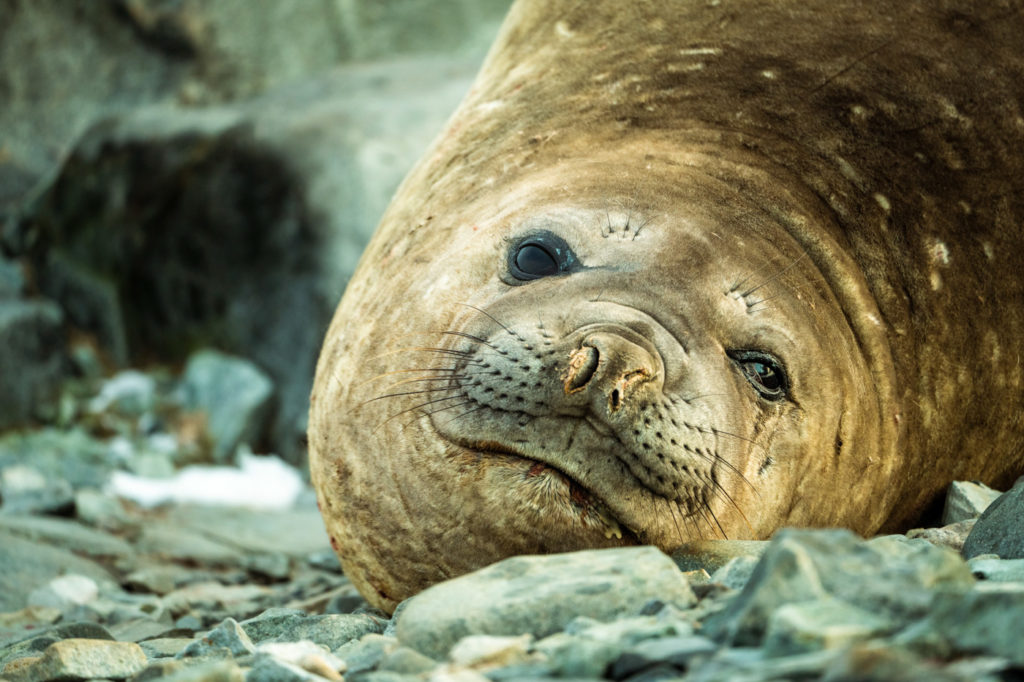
(889,576)
(207,671)
(65,592)
(293,532)
(539,595)
(712,555)
(234,394)
(997,570)
(406,661)
(83,659)
(32,358)
(165,647)
(228,636)
(736,573)
(67,534)
(99,510)
(26,565)
(308,656)
(25,489)
(365,653)
(170,540)
(12,278)
(66,460)
(215,596)
(329,630)
(490,650)
(999,529)
(966,500)
(984,620)
(952,536)
(820,624)
(674,652)
(269,669)
(128,392)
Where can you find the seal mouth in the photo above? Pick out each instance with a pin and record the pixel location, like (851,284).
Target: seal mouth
(580,501)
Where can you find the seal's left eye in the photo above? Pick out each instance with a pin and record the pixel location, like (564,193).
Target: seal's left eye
(541,254)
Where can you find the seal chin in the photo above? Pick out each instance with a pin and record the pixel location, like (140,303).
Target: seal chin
(556,497)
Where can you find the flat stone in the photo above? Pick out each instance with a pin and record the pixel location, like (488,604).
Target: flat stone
(291,532)
(228,636)
(165,647)
(25,489)
(329,630)
(64,592)
(214,595)
(167,539)
(309,656)
(83,659)
(66,534)
(952,536)
(25,566)
(676,652)
(407,662)
(997,570)
(985,620)
(736,572)
(966,500)
(490,650)
(268,669)
(234,394)
(207,671)
(999,530)
(712,555)
(820,624)
(539,595)
(889,576)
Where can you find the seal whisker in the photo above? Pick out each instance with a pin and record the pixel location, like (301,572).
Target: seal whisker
(405,393)
(467,412)
(406,371)
(416,407)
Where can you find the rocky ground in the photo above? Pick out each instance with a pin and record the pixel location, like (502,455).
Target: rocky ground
(122,558)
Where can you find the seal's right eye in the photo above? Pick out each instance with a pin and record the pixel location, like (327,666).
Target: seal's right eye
(540,255)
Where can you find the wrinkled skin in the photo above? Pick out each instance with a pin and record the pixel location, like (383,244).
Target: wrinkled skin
(787,290)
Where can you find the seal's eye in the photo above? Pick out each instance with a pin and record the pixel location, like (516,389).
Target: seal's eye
(764,372)
(541,254)
(535,261)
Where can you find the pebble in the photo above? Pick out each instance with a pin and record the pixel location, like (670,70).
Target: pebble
(711,555)
(80,659)
(999,530)
(64,592)
(966,500)
(990,567)
(227,637)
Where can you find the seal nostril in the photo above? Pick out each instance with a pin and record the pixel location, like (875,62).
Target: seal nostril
(616,400)
(582,366)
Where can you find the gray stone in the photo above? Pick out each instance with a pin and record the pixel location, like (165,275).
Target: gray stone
(820,624)
(234,394)
(999,529)
(165,647)
(26,565)
(129,392)
(676,652)
(308,656)
(25,489)
(407,661)
(67,534)
(539,595)
(102,511)
(267,669)
(64,460)
(577,656)
(966,500)
(997,570)
(64,592)
(292,532)
(329,630)
(12,279)
(712,555)
(214,597)
(82,659)
(890,576)
(228,636)
(736,573)
(984,620)
(208,671)
(32,359)
(167,539)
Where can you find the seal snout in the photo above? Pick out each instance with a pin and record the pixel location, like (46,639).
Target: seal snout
(610,368)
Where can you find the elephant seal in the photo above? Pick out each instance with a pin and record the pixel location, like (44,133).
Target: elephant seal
(681,270)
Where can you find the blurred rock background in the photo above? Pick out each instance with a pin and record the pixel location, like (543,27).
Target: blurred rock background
(187,185)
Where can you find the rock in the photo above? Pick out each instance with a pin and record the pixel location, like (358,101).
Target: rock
(66,534)
(234,394)
(985,567)
(207,671)
(227,637)
(292,532)
(365,653)
(984,620)
(129,392)
(538,595)
(712,555)
(406,661)
(12,279)
(26,565)
(64,592)
(891,577)
(675,652)
(952,536)
(966,500)
(820,624)
(101,511)
(214,597)
(736,572)
(166,539)
(304,655)
(999,530)
(32,359)
(490,651)
(330,630)
(25,489)
(83,659)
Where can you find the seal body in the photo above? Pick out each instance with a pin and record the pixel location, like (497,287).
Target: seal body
(681,270)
